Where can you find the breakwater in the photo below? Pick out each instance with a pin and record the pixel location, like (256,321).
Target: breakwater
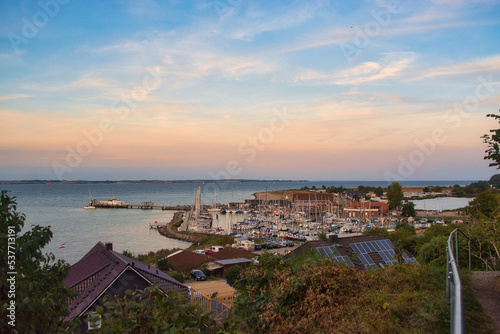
(167,230)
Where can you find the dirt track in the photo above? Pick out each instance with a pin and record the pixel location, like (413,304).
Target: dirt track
(486,288)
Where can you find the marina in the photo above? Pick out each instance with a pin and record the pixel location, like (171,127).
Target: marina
(60,206)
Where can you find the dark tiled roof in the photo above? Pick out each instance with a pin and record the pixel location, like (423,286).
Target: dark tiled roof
(99,268)
(231,253)
(185,260)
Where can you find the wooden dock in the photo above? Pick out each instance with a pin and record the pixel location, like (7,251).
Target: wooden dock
(156,225)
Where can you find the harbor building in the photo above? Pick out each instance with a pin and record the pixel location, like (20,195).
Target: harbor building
(365,210)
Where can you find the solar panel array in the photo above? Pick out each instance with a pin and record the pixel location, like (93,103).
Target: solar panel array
(384,248)
(330,251)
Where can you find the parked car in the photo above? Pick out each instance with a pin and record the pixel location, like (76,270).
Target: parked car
(208,252)
(199,251)
(198,275)
(258,247)
(267,245)
(289,243)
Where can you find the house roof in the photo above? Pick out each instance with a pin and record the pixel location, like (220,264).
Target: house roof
(313,197)
(230,262)
(231,253)
(185,260)
(362,252)
(99,268)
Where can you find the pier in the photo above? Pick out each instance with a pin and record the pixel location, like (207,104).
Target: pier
(114,204)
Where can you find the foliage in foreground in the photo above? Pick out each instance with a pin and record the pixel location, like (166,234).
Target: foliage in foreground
(38,290)
(317,296)
(149,311)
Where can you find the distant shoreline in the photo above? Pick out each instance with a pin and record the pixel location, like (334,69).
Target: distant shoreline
(421,183)
(141,181)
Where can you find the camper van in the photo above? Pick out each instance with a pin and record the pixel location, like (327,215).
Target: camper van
(216,248)
(244,244)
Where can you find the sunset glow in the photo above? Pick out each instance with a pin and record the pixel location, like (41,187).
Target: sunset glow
(318,90)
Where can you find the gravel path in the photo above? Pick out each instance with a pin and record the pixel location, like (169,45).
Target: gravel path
(486,288)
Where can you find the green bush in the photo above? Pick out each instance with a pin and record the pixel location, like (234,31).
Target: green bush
(232,274)
(178,277)
(164,264)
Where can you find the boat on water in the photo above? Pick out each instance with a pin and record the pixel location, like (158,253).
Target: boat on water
(214,207)
(90,206)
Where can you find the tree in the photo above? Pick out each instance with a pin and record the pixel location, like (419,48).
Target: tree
(432,252)
(495,181)
(232,274)
(32,286)
(149,311)
(484,205)
(321,235)
(379,191)
(164,264)
(493,141)
(395,196)
(408,209)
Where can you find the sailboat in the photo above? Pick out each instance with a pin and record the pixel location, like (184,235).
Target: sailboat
(214,207)
(90,206)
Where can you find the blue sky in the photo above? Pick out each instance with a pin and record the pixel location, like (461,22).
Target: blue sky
(364,90)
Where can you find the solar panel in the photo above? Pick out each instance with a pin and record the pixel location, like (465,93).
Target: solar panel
(328,251)
(321,251)
(371,247)
(384,256)
(332,252)
(347,260)
(365,247)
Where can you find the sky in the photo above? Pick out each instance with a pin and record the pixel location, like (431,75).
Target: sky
(239,89)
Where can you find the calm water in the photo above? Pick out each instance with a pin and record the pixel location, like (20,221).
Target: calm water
(61,207)
(442,203)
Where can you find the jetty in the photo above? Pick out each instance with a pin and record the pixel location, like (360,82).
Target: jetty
(112,203)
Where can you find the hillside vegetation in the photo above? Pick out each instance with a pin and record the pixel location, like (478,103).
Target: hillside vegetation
(315,295)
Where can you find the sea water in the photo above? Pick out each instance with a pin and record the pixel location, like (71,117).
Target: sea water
(60,206)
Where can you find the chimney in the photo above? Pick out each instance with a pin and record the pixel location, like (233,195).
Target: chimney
(109,246)
(334,238)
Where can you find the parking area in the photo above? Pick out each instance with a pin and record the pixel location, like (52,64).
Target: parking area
(282,250)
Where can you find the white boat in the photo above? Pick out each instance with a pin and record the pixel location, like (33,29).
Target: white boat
(90,206)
